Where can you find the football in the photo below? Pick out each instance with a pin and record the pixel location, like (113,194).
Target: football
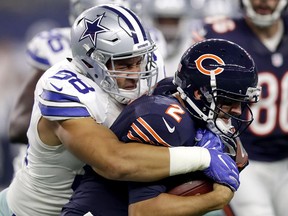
(196,183)
(192,184)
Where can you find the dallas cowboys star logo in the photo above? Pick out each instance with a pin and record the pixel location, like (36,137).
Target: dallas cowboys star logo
(93,28)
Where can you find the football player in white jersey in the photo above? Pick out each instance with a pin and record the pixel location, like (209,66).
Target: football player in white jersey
(48,48)
(76,100)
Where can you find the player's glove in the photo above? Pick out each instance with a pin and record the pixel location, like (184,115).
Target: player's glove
(207,139)
(222,169)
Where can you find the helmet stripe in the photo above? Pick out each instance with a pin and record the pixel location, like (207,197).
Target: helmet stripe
(133,25)
(138,21)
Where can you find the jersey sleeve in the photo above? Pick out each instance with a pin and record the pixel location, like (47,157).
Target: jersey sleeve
(157,120)
(64,94)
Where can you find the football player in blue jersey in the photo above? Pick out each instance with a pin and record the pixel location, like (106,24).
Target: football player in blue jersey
(215,82)
(75,103)
(263,32)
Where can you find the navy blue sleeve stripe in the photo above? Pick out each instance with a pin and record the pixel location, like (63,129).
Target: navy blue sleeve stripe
(64,111)
(38,59)
(58,97)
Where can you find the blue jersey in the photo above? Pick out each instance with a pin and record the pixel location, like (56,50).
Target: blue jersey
(267,137)
(157,120)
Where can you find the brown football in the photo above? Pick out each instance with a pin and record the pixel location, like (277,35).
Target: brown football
(196,183)
(192,184)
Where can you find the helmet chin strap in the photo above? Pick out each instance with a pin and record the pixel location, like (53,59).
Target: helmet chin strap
(218,126)
(213,88)
(192,104)
(210,117)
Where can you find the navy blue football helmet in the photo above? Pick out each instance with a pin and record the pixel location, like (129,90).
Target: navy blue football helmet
(222,72)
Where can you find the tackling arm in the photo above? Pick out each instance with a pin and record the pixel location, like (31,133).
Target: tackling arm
(99,147)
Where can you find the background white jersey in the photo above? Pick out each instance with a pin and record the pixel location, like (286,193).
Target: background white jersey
(49,47)
(49,171)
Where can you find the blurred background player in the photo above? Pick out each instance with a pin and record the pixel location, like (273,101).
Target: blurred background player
(43,51)
(177,18)
(172,18)
(262,31)
(171,118)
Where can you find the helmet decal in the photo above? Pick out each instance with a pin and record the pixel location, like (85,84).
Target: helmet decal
(93,28)
(132,22)
(204,71)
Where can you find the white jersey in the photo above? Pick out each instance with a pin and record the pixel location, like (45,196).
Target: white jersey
(161,52)
(44,50)
(49,47)
(44,184)
(158,37)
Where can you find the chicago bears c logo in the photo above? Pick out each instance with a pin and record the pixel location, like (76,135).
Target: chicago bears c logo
(200,67)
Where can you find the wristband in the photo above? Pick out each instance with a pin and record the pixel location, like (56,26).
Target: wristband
(188,159)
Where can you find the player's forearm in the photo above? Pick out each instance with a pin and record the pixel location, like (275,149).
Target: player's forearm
(136,162)
(142,162)
(167,204)
(98,146)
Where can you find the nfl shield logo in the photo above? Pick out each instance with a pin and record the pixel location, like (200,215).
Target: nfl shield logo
(277,59)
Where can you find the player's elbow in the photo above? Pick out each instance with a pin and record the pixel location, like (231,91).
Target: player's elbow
(224,199)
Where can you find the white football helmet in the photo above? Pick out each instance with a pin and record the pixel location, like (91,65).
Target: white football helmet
(78,6)
(171,17)
(263,20)
(112,32)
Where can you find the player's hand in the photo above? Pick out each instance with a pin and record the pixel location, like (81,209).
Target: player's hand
(207,139)
(223,169)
